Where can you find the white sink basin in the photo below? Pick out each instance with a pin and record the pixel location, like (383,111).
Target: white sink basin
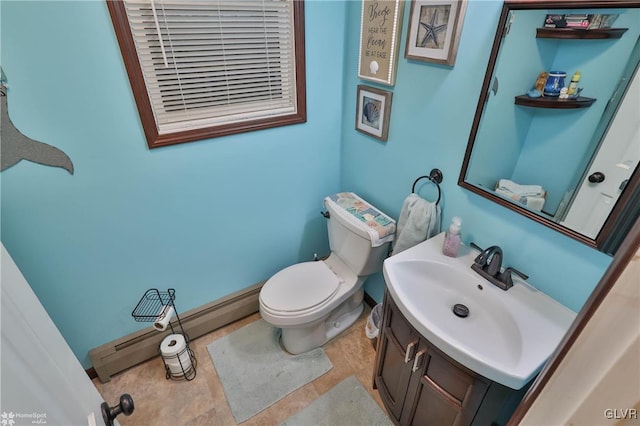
(507,335)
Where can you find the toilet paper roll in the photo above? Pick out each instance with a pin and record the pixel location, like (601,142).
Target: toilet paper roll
(162,321)
(175,354)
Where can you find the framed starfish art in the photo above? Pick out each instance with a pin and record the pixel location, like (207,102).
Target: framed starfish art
(434,30)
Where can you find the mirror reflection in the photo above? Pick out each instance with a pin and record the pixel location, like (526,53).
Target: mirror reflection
(563,159)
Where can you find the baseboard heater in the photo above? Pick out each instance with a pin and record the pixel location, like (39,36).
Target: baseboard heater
(133,349)
(123,353)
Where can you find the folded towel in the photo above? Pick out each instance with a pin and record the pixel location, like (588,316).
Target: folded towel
(534,203)
(380,227)
(419,219)
(507,185)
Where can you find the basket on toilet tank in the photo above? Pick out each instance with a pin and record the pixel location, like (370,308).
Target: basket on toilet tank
(365,247)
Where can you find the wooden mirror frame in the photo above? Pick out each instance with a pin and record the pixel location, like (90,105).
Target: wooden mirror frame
(626,209)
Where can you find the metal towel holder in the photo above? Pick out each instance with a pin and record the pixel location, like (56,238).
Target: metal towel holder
(434,176)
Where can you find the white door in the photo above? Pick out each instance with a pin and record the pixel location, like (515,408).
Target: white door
(616,160)
(42,382)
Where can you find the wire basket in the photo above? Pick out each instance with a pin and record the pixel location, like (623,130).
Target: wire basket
(153,304)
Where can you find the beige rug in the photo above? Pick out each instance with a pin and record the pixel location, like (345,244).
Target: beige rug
(256,372)
(346,404)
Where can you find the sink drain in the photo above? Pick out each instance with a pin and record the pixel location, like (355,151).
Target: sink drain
(460,310)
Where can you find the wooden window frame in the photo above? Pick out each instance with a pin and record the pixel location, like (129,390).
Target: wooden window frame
(136,78)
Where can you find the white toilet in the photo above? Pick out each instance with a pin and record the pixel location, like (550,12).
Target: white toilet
(312,302)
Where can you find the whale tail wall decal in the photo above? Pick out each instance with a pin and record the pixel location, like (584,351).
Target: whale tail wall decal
(14,146)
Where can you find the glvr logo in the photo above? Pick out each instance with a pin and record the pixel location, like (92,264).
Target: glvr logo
(621,413)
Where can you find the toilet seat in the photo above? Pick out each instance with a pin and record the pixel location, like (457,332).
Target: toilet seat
(300,288)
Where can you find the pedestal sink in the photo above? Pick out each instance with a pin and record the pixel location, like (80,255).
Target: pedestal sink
(505,336)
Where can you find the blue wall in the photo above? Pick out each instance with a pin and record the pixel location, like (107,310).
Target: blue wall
(518,141)
(213,217)
(569,135)
(207,218)
(431,115)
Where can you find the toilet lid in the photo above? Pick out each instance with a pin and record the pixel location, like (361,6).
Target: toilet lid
(299,287)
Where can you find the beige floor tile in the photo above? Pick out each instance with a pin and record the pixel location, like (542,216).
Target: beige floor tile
(199,402)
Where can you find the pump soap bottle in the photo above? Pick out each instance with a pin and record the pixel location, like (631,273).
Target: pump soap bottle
(452,238)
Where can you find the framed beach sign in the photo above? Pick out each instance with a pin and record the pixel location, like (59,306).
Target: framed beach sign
(381,23)
(373,111)
(434,30)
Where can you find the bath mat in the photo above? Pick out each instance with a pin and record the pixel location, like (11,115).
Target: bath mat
(256,372)
(348,404)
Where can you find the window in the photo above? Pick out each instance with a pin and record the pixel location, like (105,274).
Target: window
(202,69)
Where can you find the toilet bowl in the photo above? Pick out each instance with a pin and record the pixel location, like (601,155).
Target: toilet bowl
(312,302)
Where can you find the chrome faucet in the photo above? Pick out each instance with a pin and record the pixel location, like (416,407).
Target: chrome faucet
(489,264)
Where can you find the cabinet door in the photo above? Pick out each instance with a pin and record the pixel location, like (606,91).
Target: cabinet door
(396,351)
(444,393)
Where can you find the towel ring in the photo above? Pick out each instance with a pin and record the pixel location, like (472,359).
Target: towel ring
(435,176)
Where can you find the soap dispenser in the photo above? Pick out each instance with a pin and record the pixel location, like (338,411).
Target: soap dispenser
(452,238)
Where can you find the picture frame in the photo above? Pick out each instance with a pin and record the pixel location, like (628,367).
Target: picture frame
(380,30)
(373,109)
(434,30)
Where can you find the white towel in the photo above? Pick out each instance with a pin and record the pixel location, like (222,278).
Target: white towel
(534,203)
(419,219)
(506,185)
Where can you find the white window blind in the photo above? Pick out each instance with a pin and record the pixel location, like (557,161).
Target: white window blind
(208,63)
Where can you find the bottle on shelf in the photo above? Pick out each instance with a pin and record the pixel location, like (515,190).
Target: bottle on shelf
(572,90)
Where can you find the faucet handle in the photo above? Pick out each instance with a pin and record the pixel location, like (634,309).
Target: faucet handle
(475,246)
(518,273)
(506,278)
(479,255)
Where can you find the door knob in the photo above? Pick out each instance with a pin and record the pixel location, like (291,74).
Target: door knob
(596,177)
(110,413)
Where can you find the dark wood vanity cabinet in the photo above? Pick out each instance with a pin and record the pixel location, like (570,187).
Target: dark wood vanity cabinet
(420,385)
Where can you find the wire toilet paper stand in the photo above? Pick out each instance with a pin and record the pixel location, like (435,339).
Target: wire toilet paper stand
(158,306)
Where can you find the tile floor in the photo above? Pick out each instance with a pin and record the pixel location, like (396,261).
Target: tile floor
(202,401)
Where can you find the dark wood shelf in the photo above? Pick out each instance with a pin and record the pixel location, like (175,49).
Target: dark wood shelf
(557,103)
(579,33)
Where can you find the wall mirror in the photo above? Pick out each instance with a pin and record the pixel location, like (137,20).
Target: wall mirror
(570,163)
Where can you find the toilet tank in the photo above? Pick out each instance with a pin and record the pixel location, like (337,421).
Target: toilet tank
(359,234)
